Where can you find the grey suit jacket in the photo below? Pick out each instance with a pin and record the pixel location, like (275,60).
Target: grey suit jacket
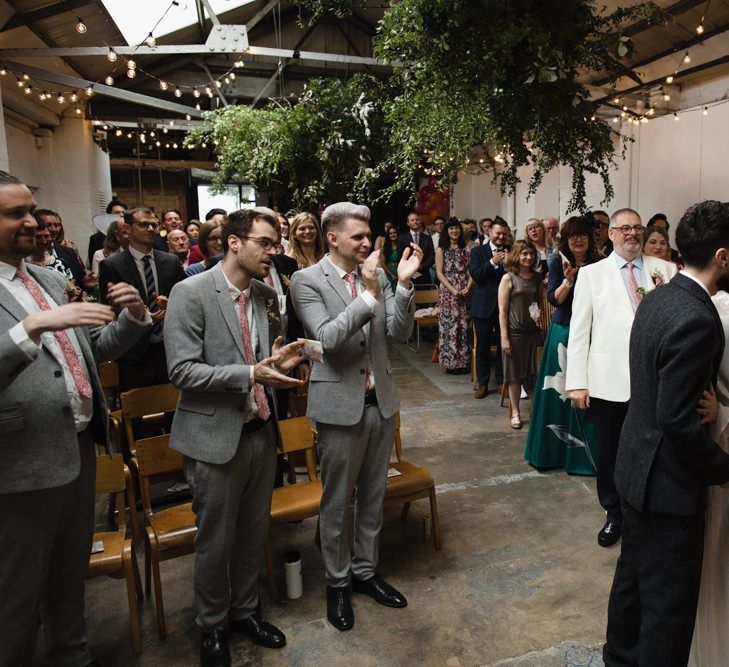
(326,309)
(38,441)
(207,363)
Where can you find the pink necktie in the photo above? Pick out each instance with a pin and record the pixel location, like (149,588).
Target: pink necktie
(635,295)
(351,279)
(269,280)
(83,386)
(259,393)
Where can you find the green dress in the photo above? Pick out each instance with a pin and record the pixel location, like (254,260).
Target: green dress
(559,436)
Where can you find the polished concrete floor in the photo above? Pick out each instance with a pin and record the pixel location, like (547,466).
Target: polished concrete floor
(520,579)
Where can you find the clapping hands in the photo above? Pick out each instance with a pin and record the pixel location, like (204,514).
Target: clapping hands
(409,264)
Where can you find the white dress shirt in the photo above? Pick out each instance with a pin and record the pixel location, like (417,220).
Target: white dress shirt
(638,272)
(139,261)
(234,293)
(81,408)
(696,280)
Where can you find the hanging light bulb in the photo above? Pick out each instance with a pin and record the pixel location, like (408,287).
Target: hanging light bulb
(232,76)
(195,92)
(226,80)
(74,97)
(3,71)
(178,92)
(167,145)
(687,58)
(669,78)
(164,129)
(172,122)
(675,116)
(706,111)
(151,41)
(188,116)
(700,29)
(209,91)
(651,111)
(644,119)
(157,143)
(131,64)
(129,135)
(204,145)
(20,83)
(616,120)
(152,134)
(131,73)
(109,80)
(60,99)
(78,111)
(174,145)
(616,100)
(80,26)
(89,91)
(26,77)
(197,106)
(42,97)
(218,84)
(163,85)
(666,96)
(623,114)
(143,138)
(118,133)
(111,56)
(28,90)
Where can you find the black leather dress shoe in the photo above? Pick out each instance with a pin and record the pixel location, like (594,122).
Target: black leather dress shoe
(339,608)
(610,533)
(380,591)
(260,632)
(214,651)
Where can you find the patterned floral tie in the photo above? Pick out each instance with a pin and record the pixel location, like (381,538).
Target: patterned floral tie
(259,393)
(635,295)
(351,279)
(83,386)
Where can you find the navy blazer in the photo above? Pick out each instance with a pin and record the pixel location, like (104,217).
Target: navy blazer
(426,245)
(484,298)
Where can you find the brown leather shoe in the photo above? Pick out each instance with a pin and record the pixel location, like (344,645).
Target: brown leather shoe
(481,392)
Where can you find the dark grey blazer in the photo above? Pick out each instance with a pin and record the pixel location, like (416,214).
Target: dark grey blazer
(666,458)
(38,442)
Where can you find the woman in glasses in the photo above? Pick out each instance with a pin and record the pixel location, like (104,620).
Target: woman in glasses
(210,244)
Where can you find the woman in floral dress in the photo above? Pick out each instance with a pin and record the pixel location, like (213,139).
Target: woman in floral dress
(454,324)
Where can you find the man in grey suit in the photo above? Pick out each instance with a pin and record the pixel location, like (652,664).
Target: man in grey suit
(352,396)
(52,411)
(223,337)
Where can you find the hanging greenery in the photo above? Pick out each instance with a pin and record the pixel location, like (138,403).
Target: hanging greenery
(318,147)
(482,84)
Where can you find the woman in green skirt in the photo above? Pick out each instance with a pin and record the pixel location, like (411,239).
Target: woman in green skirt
(559,436)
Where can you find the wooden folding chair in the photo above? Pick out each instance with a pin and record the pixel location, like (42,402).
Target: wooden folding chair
(297,501)
(170,532)
(411,484)
(422,298)
(117,559)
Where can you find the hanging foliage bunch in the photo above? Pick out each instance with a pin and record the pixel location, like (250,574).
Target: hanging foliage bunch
(318,147)
(505,77)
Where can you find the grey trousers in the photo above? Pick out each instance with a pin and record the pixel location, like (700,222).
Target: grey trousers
(353,457)
(232,505)
(45,546)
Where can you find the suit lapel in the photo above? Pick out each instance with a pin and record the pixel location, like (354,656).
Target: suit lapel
(335,281)
(9,303)
(227,308)
(260,314)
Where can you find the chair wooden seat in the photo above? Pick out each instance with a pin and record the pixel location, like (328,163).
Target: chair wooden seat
(411,480)
(174,526)
(170,532)
(117,560)
(295,502)
(413,483)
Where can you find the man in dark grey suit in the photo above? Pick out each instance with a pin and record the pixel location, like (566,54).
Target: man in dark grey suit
(52,411)
(153,273)
(352,396)
(223,333)
(666,458)
(417,235)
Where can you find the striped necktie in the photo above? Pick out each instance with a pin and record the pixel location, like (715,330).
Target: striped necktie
(151,292)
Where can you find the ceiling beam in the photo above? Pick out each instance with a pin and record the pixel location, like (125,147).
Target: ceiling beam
(204,67)
(282,64)
(190,49)
(213,16)
(260,14)
(20,20)
(109,91)
(678,48)
(675,9)
(655,82)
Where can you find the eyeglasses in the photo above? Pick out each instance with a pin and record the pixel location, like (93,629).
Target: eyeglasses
(262,241)
(603,225)
(154,226)
(578,236)
(626,229)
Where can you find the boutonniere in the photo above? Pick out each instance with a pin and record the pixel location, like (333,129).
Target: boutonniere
(271,313)
(657,278)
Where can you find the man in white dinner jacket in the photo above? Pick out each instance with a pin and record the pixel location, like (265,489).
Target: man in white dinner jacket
(607,295)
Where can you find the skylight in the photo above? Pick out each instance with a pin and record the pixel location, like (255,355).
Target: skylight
(135,19)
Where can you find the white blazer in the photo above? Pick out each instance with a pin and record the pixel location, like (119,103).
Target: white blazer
(602,316)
